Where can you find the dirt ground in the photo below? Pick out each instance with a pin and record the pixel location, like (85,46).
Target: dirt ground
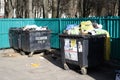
(14,66)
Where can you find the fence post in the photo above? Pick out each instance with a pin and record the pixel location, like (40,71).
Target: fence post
(60,31)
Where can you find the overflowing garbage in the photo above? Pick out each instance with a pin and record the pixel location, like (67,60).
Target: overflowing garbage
(29,39)
(34,27)
(89,28)
(85,27)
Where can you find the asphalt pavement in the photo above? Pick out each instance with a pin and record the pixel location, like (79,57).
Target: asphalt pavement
(14,66)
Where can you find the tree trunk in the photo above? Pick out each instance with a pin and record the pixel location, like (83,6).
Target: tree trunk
(19,9)
(81,8)
(119,9)
(45,8)
(30,8)
(72,8)
(10,6)
(85,7)
(54,8)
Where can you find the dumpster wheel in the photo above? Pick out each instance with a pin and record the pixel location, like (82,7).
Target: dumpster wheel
(66,66)
(83,70)
(31,54)
(22,53)
(16,51)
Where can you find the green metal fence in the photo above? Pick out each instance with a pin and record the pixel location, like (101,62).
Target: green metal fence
(112,24)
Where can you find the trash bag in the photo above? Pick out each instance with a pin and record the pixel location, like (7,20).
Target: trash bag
(72,29)
(86,26)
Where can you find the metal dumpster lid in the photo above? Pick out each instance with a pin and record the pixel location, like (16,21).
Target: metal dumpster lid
(82,36)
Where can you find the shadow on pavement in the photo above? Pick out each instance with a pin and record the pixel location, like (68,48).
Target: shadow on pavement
(54,58)
(103,72)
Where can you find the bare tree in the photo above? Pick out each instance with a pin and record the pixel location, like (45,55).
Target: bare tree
(21,9)
(37,8)
(101,8)
(45,8)
(98,8)
(80,8)
(116,8)
(54,8)
(10,6)
(119,8)
(70,8)
(30,8)
(111,4)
